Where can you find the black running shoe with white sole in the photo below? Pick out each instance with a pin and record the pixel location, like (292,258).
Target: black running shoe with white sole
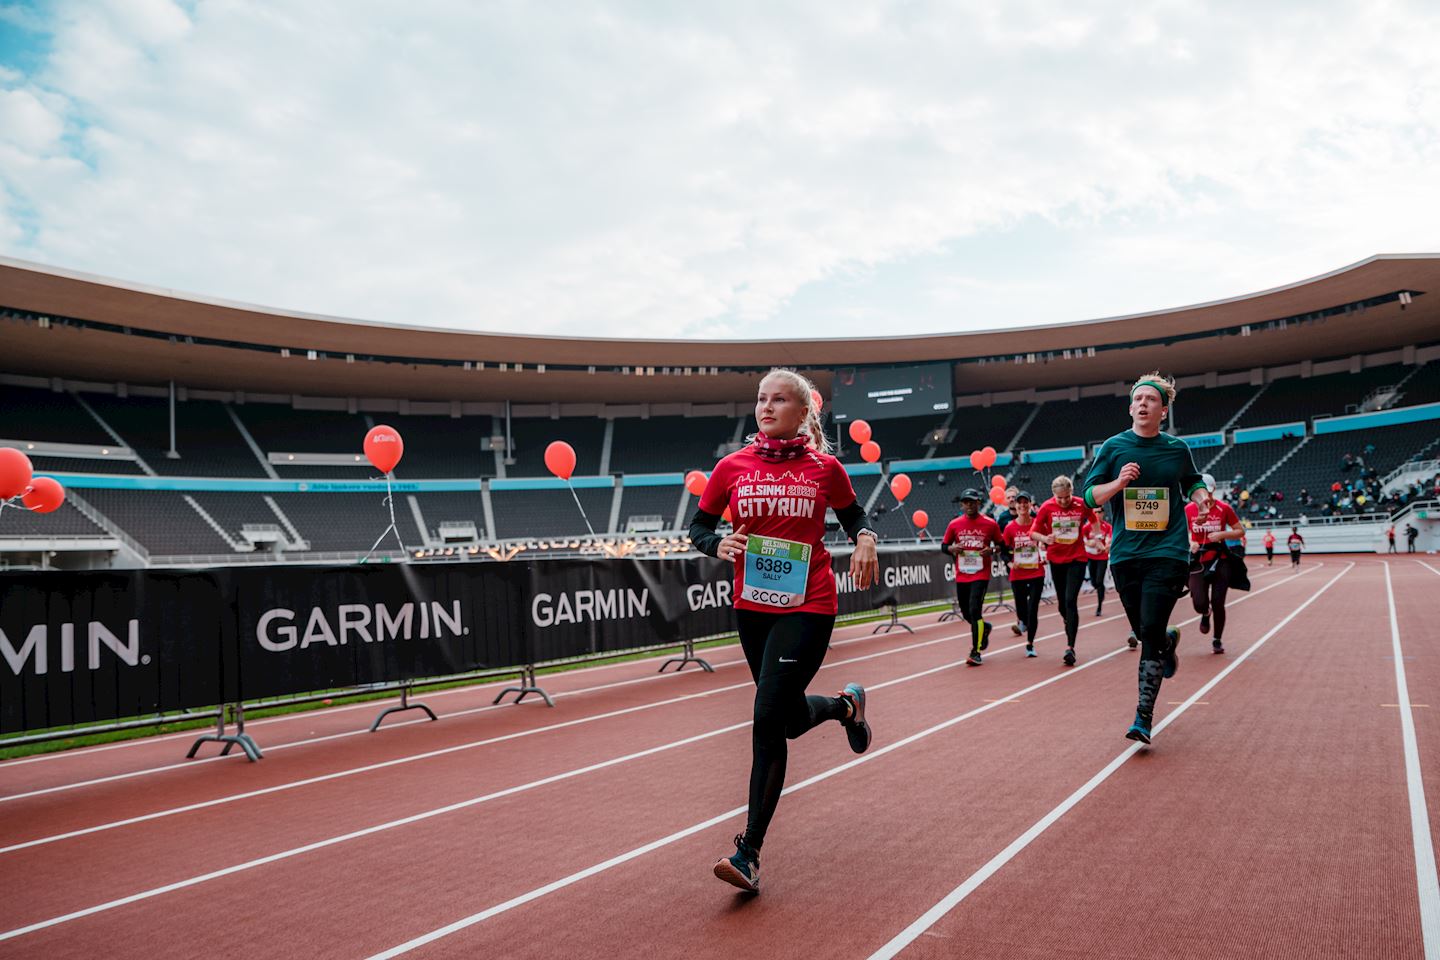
(985,634)
(1069,656)
(1205,623)
(1015,629)
(857,728)
(1170,659)
(974,659)
(1217,646)
(742,869)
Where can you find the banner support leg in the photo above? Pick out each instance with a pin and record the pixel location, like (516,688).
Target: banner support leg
(527,687)
(894,621)
(239,738)
(405,704)
(689,657)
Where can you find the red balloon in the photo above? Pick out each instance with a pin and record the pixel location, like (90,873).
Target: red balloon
(819,400)
(977,459)
(44,496)
(560,459)
(921,519)
(15,472)
(900,486)
(869,451)
(383,447)
(997,496)
(998,481)
(990,456)
(860,431)
(695,482)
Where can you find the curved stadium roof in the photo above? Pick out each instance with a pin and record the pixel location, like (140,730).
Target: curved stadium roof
(59,323)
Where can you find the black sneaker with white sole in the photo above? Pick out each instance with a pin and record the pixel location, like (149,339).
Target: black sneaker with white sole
(857,728)
(741,869)
(1069,656)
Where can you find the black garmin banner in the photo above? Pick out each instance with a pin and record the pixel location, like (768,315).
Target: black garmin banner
(90,647)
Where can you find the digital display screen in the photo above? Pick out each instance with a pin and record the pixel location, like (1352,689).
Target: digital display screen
(879,393)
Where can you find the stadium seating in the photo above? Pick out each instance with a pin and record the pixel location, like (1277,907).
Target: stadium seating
(1064,423)
(84,465)
(1318,464)
(977,427)
(1207,409)
(348,522)
(549,513)
(650,501)
(440,508)
(160,520)
(532,435)
(1300,398)
(667,444)
(65,522)
(205,437)
(33,414)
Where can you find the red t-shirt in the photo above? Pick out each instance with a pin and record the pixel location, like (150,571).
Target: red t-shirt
(1029,553)
(1269,540)
(785,500)
(1097,529)
(1294,541)
(972,536)
(1220,517)
(1065,523)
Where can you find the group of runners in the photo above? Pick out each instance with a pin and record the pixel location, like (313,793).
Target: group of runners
(1166,535)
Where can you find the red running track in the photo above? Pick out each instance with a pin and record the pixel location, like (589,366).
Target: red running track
(1271,817)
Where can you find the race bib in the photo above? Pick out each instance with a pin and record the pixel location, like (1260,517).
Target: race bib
(1067,529)
(776,571)
(1147,508)
(1027,556)
(971,562)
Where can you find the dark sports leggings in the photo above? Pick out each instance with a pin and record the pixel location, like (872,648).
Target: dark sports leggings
(1027,604)
(1067,578)
(1209,597)
(784,651)
(1097,578)
(971,597)
(1149,590)
(1294,558)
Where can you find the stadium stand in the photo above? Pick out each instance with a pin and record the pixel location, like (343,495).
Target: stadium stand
(532,435)
(1062,423)
(1207,409)
(549,513)
(659,502)
(666,444)
(160,520)
(348,522)
(1318,465)
(65,522)
(103,465)
(34,414)
(1299,398)
(977,427)
(205,437)
(280,428)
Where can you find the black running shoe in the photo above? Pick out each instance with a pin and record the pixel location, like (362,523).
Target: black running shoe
(985,634)
(1132,641)
(1029,649)
(1170,659)
(974,660)
(1140,729)
(1205,623)
(1217,646)
(1069,656)
(1015,628)
(742,869)
(856,726)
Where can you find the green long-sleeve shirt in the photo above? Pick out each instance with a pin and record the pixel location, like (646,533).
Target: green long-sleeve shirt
(1149,514)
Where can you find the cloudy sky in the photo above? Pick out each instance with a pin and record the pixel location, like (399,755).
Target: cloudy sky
(741,169)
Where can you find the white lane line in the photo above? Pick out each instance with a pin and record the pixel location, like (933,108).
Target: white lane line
(930,917)
(320,844)
(1426,880)
(640,851)
(309,741)
(473,801)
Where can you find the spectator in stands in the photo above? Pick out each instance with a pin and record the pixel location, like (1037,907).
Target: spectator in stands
(1347,463)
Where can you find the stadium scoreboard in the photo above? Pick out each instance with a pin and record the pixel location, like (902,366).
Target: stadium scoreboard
(880,393)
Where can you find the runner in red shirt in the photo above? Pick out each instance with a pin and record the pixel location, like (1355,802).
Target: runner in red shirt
(1212,522)
(970,540)
(1057,525)
(1269,548)
(1096,535)
(1027,569)
(1296,543)
(777,489)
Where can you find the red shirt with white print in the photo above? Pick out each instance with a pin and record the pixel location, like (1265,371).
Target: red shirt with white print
(784,499)
(1220,517)
(1097,529)
(1065,523)
(972,536)
(1028,553)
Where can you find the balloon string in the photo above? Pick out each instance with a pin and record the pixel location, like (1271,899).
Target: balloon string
(582,509)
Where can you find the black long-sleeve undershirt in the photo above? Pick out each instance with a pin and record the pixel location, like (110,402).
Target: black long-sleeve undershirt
(704,538)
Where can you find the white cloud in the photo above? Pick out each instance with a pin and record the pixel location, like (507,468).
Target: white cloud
(746,169)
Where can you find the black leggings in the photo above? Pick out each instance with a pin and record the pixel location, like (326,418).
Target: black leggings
(1067,578)
(971,597)
(1294,558)
(1208,596)
(1027,605)
(784,651)
(1149,590)
(1097,579)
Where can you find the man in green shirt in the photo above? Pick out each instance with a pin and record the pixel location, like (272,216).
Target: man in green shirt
(1147,476)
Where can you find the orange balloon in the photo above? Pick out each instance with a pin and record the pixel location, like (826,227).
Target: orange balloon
(819,400)
(921,519)
(900,486)
(44,496)
(383,447)
(990,456)
(560,459)
(869,451)
(726,515)
(695,482)
(15,473)
(977,459)
(998,481)
(860,431)
(997,496)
